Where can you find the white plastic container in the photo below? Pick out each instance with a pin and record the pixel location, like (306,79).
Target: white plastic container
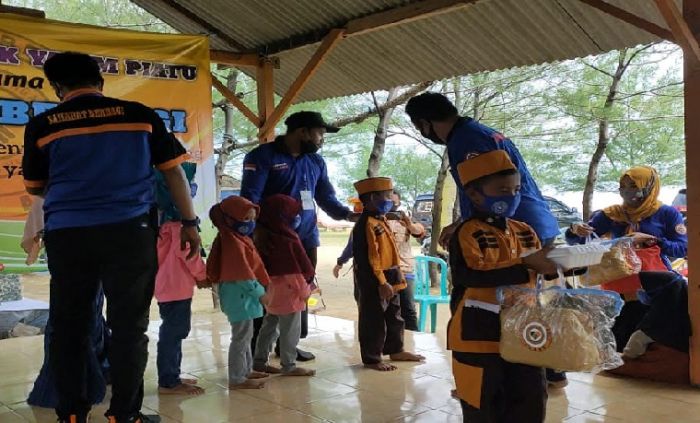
(572,256)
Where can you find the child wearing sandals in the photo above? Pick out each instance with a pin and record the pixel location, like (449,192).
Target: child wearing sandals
(290,272)
(236,266)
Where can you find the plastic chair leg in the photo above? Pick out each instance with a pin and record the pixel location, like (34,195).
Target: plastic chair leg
(433,317)
(423,314)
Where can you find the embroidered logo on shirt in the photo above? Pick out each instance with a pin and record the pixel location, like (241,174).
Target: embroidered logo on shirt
(249,166)
(471,155)
(280,166)
(681,229)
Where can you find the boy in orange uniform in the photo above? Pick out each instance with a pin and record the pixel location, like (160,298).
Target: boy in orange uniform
(487,251)
(379,278)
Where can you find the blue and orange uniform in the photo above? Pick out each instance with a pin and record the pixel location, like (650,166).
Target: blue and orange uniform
(469,138)
(95,157)
(101,152)
(485,253)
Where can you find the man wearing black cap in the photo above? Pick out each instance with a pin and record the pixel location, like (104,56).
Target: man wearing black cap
(290,165)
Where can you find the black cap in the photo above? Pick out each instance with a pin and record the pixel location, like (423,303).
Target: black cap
(308,120)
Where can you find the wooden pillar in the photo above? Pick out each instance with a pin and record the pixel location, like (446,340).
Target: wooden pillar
(266,97)
(691,15)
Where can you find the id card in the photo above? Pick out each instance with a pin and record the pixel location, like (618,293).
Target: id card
(307,200)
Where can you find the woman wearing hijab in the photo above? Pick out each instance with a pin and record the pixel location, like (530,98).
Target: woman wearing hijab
(649,223)
(236,266)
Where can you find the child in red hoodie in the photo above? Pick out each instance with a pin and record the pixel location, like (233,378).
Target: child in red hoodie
(235,265)
(290,272)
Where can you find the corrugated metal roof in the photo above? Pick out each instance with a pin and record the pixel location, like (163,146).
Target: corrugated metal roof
(485,36)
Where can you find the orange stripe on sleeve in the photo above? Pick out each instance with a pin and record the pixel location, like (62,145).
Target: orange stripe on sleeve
(174,162)
(34,184)
(110,127)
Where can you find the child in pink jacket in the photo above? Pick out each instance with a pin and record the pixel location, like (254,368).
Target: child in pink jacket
(174,290)
(290,273)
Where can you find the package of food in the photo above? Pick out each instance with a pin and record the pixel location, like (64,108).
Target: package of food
(561,329)
(10,287)
(619,262)
(574,256)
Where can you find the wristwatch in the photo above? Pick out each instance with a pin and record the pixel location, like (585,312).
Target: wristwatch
(190,222)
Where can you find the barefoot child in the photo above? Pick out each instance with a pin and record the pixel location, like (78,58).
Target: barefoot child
(379,278)
(235,264)
(490,250)
(290,273)
(175,283)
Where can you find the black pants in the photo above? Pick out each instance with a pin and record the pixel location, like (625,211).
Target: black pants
(123,257)
(509,392)
(408,305)
(380,326)
(257,323)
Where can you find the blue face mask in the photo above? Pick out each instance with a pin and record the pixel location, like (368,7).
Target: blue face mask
(243,228)
(385,206)
(193,189)
(296,222)
(502,205)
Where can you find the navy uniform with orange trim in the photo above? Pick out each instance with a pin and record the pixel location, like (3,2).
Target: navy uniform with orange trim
(93,157)
(377,263)
(485,253)
(102,151)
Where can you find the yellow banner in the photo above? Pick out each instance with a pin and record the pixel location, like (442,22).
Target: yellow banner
(167,72)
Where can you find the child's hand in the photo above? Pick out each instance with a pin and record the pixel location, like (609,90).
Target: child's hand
(386,291)
(540,263)
(336,270)
(265,300)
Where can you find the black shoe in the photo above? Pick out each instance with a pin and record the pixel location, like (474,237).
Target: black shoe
(304,355)
(141,418)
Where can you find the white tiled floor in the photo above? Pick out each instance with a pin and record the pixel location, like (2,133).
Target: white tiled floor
(342,391)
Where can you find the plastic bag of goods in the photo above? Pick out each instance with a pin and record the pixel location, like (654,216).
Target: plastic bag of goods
(619,262)
(561,329)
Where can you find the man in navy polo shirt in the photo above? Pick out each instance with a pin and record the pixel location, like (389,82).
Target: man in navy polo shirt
(291,165)
(92,158)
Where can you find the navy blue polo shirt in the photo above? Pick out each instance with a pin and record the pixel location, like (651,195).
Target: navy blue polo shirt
(270,169)
(95,156)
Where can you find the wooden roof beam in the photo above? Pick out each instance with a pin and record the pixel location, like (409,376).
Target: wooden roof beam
(242,59)
(404,14)
(682,33)
(235,101)
(630,18)
(373,22)
(34,13)
(329,42)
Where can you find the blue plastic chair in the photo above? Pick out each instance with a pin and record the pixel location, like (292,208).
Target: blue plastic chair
(422,290)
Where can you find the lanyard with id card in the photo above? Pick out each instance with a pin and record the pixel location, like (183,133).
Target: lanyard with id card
(307,200)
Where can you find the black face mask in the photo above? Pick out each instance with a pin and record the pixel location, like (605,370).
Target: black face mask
(308,147)
(432,135)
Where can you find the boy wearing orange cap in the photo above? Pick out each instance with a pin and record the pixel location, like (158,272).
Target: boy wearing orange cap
(487,251)
(379,278)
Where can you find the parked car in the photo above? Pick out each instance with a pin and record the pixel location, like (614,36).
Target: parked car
(565,215)
(423,211)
